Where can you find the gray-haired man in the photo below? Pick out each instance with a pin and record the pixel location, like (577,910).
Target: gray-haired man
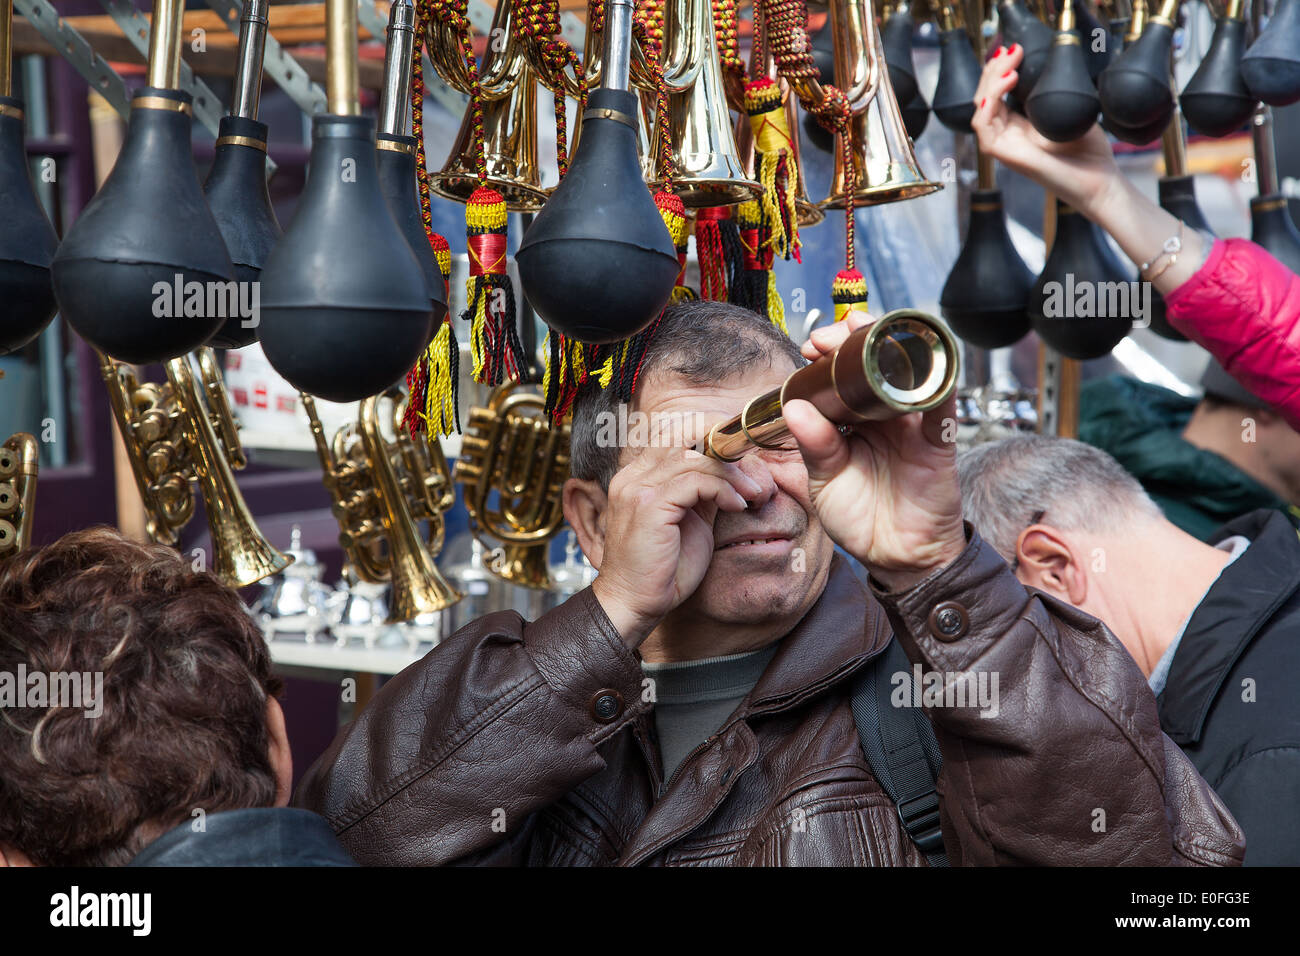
(1216,629)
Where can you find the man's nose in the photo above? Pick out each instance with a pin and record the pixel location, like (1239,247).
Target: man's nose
(756,468)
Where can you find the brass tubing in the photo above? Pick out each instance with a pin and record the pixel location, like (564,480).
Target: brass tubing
(905,362)
(6,46)
(165,44)
(342,84)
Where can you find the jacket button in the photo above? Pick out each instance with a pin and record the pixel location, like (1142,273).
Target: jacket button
(607,705)
(949,621)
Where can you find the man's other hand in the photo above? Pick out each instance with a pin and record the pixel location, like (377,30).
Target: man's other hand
(887,491)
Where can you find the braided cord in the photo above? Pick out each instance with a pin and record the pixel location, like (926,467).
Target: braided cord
(539,21)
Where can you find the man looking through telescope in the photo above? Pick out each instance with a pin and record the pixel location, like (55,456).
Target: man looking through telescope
(693,705)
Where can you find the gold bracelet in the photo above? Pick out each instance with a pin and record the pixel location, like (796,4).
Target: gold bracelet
(1168,265)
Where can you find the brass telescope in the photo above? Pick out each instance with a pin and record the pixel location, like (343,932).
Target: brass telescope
(904,362)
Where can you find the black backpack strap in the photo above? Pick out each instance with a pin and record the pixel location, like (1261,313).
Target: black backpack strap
(901,750)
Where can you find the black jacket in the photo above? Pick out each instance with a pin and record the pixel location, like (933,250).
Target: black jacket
(1232,700)
(271,836)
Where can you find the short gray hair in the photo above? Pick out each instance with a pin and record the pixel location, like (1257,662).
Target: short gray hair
(1005,483)
(703,342)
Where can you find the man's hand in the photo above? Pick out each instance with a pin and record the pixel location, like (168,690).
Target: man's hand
(658,540)
(886,491)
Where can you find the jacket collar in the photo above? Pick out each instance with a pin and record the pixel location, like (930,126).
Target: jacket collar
(1238,605)
(844,629)
(262,836)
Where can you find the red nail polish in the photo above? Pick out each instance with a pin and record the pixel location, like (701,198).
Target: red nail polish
(1006,74)
(1001,50)
(1014,47)
(983,101)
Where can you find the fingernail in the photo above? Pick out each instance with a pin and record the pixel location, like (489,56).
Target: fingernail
(1014,48)
(1006,74)
(983,101)
(1001,50)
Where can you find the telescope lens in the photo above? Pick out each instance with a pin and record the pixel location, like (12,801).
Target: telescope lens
(906,360)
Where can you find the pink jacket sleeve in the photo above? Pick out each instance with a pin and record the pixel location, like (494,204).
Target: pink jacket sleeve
(1243,307)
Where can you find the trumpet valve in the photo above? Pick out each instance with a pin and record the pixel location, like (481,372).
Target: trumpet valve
(8,498)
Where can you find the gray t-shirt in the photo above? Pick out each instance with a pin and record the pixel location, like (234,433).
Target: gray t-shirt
(694,698)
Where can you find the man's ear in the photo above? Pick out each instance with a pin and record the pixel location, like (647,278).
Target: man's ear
(584,509)
(279,752)
(1048,563)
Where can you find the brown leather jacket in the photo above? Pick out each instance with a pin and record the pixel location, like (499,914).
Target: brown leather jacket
(516,743)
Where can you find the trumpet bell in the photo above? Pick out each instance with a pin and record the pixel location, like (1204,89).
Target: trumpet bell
(709,170)
(887,170)
(509,147)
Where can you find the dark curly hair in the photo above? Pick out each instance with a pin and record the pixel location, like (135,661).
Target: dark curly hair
(182,720)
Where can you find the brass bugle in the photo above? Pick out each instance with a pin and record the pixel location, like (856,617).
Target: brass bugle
(905,362)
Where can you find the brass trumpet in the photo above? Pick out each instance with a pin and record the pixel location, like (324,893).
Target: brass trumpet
(508,84)
(513,464)
(382,490)
(19,457)
(906,361)
(709,168)
(885,163)
(183,431)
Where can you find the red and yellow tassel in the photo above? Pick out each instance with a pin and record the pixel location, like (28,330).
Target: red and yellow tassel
(775,165)
(848,293)
(673,211)
(494,338)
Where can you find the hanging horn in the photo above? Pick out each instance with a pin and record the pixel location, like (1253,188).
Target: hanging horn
(642,84)
(1178,197)
(959,74)
(27,240)
(396,152)
(986,297)
(1064,104)
(382,489)
(887,170)
(508,102)
(183,431)
(1271,225)
(148,225)
(1271,67)
(896,39)
(512,468)
(345,305)
(1137,97)
(236,186)
(709,171)
(1216,100)
(598,264)
(1086,27)
(1080,255)
(1018,25)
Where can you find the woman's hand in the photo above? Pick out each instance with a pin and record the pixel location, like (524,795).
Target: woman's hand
(1083,172)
